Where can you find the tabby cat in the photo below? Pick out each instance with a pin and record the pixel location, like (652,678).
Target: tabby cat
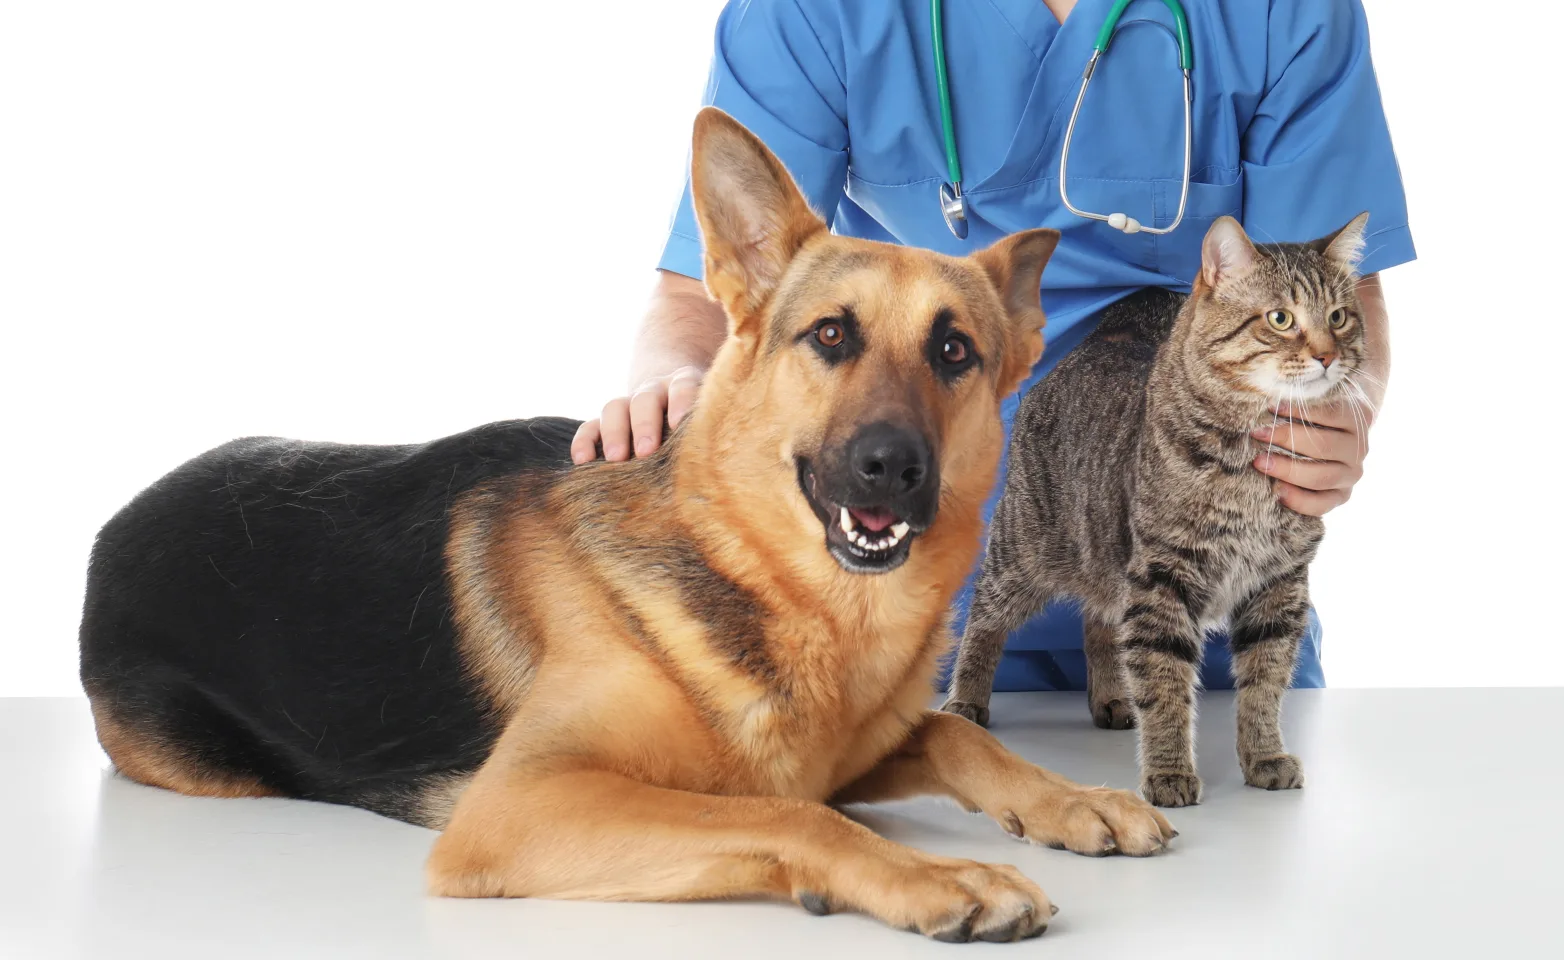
(1131,488)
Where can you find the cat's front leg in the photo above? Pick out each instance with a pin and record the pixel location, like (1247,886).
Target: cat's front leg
(1160,642)
(1007,592)
(1264,638)
(1107,694)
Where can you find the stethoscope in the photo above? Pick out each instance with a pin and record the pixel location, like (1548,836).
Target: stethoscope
(953,203)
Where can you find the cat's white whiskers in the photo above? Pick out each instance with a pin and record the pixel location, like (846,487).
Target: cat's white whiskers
(1365,375)
(1308,418)
(1359,421)
(1363,395)
(1296,399)
(1357,396)
(1276,416)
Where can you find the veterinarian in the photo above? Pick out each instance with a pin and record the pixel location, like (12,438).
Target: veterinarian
(1288,135)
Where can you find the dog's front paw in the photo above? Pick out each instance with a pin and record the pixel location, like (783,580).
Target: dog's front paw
(1282,772)
(965,708)
(1093,821)
(960,900)
(1171,789)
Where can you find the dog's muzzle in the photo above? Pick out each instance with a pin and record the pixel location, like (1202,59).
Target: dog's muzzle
(874,495)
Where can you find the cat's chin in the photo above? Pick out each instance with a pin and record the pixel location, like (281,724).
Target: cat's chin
(1295,389)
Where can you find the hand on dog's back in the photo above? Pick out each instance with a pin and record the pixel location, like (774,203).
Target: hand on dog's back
(680,335)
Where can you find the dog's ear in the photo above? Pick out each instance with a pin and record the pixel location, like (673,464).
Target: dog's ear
(753,219)
(1015,266)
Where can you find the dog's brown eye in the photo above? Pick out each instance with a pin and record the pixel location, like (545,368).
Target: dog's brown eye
(1338,318)
(829,334)
(1280,320)
(954,350)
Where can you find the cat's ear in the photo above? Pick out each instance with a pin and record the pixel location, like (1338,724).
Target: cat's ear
(1226,252)
(1015,266)
(1345,246)
(753,218)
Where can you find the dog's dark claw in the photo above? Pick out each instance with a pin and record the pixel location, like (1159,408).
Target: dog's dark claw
(1009,931)
(962,932)
(814,903)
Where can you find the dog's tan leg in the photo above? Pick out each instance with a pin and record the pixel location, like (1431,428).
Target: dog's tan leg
(951,756)
(600,836)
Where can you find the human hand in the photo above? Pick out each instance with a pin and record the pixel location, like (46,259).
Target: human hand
(1327,446)
(634,424)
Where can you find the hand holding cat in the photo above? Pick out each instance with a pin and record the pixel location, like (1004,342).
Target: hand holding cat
(1327,444)
(1333,438)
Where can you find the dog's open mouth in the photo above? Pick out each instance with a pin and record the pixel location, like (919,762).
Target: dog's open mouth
(863,538)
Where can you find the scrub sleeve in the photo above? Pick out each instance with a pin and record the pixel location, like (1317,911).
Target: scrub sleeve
(770,72)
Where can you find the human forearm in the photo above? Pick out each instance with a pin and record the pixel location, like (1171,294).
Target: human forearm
(683,329)
(1376,333)
(679,336)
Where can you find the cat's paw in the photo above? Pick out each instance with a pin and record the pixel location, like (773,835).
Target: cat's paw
(1283,772)
(964,708)
(1171,789)
(1115,714)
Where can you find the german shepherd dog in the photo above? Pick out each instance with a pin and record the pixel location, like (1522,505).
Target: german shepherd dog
(634,681)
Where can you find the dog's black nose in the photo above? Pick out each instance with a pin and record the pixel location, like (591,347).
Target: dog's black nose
(888,460)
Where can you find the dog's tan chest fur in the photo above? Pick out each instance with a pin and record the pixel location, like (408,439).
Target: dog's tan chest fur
(651,672)
(838,706)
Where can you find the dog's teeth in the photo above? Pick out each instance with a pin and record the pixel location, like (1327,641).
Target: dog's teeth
(861,539)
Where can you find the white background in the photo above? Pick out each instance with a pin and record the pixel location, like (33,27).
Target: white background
(385,222)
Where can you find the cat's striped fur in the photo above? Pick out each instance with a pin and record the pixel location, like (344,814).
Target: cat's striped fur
(1131,488)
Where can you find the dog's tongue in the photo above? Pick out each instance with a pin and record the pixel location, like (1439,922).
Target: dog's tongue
(872,518)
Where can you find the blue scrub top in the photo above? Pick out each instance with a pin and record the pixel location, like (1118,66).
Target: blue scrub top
(1289,137)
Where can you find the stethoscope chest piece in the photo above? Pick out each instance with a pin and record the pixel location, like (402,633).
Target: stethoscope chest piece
(954,206)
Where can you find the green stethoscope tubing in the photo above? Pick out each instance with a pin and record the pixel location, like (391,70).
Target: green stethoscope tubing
(947,125)
(953,203)
(1186,53)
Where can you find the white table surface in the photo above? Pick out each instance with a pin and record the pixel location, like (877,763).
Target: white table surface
(1432,825)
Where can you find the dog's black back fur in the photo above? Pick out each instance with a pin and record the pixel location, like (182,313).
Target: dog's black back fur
(215,619)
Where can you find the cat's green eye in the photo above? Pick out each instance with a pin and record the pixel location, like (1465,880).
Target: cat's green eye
(1338,318)
(1280,320)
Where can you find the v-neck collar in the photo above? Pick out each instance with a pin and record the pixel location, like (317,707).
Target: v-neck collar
(1058,77)
(1056,17)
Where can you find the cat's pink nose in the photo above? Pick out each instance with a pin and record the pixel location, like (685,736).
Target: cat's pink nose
(1326,359)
